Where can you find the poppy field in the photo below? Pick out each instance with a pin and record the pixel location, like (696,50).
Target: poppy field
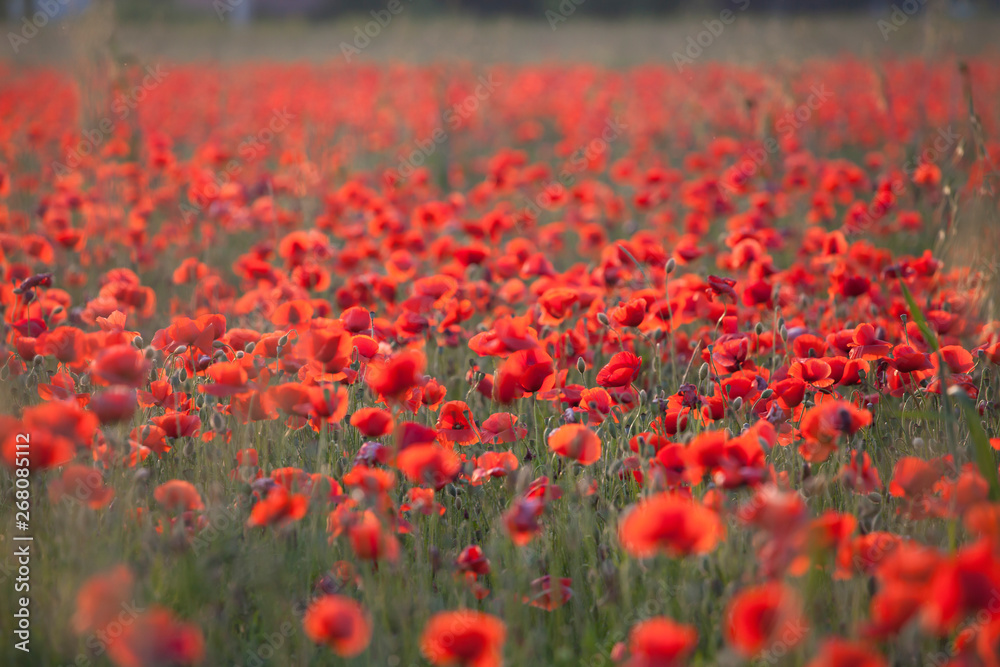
(542,364)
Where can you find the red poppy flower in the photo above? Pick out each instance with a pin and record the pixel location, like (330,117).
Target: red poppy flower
(501,428)
(121,364)
(661,642)
(340,623)
(815,372)
(178,494)
(620,371)
(843,653)
(397,375)
(83,484)
(429,464)
(759,618)
(372,422)
(455,424)
(99,601)
(545,595)
(825,423)
(577,442)
(466,638)
(114,404)
(630,313)
(669,524)
(867,345)
(279,508)
(156,637)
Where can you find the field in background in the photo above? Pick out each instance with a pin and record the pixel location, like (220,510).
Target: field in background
(748,39)
(502,344)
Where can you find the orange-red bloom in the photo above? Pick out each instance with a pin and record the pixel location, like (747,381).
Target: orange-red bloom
(577,442)
(464,638)
(340,623)
(661,642)
(669,524)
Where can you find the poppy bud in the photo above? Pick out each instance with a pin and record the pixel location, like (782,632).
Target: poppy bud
(240,354)
(581,365)
(738,403)
(150,353)
(137,342)
(283,341)
(783,333)
(141,475)
(218,422)
(767,393)
(703,371)
(875,497)
(759,328)
(249,347)
(181,349)
(670,266)
(56,310)
(435,558)
(642,397)
(38,360)
(603,319)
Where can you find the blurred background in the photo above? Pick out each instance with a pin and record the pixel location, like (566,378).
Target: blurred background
(608,32)
(248,10)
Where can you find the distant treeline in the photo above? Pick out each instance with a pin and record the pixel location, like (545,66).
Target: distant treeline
(329,9)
